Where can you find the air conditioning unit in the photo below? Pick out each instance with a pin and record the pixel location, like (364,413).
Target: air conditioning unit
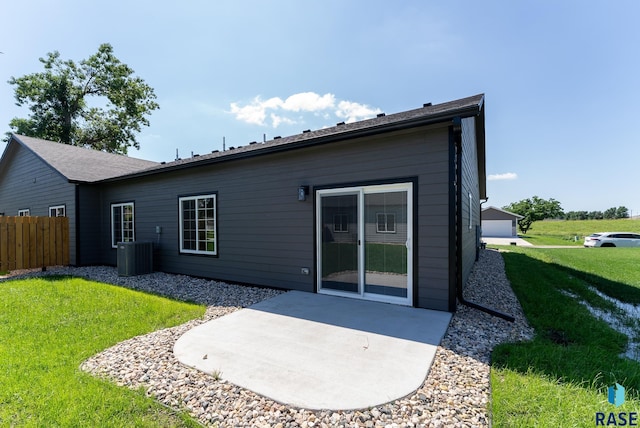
(135,258)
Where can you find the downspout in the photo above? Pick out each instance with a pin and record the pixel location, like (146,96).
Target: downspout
(457,141)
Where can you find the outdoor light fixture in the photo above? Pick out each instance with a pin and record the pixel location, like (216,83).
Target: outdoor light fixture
(303,191)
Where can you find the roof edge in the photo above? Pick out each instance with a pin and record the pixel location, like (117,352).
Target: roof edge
(19,141)
(441,117)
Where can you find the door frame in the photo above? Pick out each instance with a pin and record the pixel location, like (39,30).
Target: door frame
(408,186)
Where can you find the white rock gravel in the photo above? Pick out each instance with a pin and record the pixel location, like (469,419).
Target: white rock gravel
(456,392)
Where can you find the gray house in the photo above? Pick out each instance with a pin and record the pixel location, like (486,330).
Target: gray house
(385,209)
(499,223)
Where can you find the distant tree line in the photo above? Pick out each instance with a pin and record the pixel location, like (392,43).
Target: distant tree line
(611,213)
(536,209)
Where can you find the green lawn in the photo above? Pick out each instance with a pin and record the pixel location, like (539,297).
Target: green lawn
(341,256)
(564,232)
(561,377)
(49,326)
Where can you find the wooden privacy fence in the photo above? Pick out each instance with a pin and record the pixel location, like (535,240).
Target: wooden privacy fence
(33,242)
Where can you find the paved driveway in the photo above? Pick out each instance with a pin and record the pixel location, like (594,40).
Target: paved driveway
(506,241)
(319,352)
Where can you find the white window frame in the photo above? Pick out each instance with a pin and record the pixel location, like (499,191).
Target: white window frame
(24,212)
(122,226)
(60,211)
(386,222)
(214,228)
(339,220)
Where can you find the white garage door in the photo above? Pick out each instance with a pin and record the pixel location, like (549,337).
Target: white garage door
(497,228)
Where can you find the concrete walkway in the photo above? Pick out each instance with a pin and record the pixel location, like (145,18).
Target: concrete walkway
(319,352)
(506,241)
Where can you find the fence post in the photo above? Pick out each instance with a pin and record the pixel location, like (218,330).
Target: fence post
(4,245)
(19,221)
(33,243)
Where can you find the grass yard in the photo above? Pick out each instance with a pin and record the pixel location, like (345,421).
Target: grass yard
(341,256)
(564,232)
(561,377)
(49,326)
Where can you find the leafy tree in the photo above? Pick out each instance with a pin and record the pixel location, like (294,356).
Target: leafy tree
(622,212)
(60,112)
(610,213)
(534,209)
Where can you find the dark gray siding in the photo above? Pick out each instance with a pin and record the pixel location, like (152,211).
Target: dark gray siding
(265,235)
(27,182)
(89,220)
(470,206)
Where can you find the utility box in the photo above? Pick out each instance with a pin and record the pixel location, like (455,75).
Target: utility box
(135,258)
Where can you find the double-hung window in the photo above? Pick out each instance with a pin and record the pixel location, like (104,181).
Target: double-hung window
(341,223)
(57,211)
(24,212)
(122,223)
(198,233)
(386,223)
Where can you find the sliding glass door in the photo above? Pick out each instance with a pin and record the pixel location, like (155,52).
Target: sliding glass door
(364,242)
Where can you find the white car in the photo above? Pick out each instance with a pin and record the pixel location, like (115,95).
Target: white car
(612,239)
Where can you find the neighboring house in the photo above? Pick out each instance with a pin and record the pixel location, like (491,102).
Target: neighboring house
(42,178)
(499,223)
(384,209)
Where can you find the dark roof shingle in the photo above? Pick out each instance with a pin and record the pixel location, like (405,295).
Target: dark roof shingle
(79,164)
(429,113)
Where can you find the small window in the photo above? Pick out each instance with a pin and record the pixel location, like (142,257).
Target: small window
(24,213)
(198,233)
(386,223)
(122,223)
(57,211)
(341,223)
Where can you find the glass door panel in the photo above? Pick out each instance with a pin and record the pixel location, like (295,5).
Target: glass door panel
(339,243)
(364,242)
(386,243)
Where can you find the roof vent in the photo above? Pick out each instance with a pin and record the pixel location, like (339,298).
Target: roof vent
(231,148)
(215,151)
(277,138)
(196,155)
(381,115)
(306,130)
(162,163)
(252,143)
(339,123)
(426,105)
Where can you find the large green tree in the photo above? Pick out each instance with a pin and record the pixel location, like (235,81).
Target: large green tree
(534,209)
(59,100)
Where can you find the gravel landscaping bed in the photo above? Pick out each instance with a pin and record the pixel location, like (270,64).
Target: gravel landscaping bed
(455,393)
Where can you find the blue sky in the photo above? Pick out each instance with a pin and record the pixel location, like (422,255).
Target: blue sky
(561,79)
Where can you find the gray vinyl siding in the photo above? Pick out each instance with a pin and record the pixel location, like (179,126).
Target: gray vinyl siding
(469,186)
(89,215)
(27,182)
(265,235)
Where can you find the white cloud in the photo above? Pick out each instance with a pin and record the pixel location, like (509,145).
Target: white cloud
(352,112)
(276,120)
(309,101)
(505,176)
(274,111)
(253,113)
